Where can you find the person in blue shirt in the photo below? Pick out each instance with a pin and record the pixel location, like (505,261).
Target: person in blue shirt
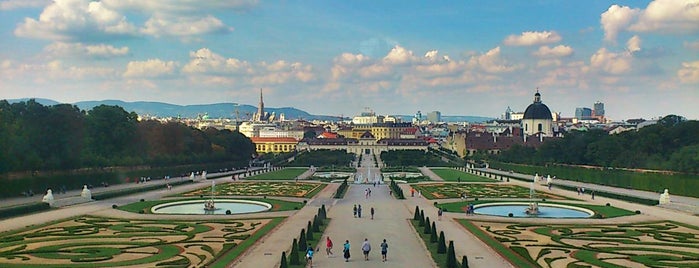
(309,255)
(346,250)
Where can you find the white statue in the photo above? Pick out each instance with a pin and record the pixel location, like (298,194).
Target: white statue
(536,177)
(203,175)
(48,198)
(664,198)
(549,180)
(86,193)
(191,177)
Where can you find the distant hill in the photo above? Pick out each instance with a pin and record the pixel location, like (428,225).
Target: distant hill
(220,110)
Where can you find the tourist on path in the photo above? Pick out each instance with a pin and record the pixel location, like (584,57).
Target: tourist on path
(355,210)
(328,246)
(372,212)
(346,250)
(439,214)
(384,249)
(309,256)
(412,192)
(359,211)
(366,247)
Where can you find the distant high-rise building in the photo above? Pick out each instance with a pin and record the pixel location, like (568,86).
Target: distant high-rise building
(434,117)
(583,112)
(598,109)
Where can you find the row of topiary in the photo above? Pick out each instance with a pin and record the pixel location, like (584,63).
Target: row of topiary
(25,209)
(136,189)
(397,191)
(300,245)
(340,192)
(440,242)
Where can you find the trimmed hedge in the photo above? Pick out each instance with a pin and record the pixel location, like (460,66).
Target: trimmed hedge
(340,193)
(20,210)
(133,190)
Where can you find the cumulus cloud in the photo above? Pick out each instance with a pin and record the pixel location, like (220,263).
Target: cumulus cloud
(661,16)
(532,38)
(554,52)
(689,73)
(61,49)
(86,20)
(17,4)
(46,72)
(611,63)
(149,69)
(206,61)
(399,55)
(634,44)
(492,62)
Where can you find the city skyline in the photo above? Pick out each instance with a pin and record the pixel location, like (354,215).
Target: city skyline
(641,59)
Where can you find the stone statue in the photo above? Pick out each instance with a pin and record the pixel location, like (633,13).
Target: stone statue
(86,193)
(664,198)
(48,198)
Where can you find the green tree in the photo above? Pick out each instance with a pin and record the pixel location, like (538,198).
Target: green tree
(294,255)
(303,241)
(433,234)
(427,230)
(451,255)
(441,245)
(309,234)
(284,263)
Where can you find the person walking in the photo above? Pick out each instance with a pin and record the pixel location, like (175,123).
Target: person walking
(359,211)
(346,250)
(355,210)
(372,212)
(328,246)
(439,214)
(309,256)
(384,250)
(366,248)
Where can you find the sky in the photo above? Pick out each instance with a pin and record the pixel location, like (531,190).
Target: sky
(640,58)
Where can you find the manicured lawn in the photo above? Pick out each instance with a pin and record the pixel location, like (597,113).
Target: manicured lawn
(644,244)
(282,174)
(479,190)
(89,241)
(449,174)
(145,206)
(261,188)
(604,211)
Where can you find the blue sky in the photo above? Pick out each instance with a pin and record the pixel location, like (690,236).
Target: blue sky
(641,58)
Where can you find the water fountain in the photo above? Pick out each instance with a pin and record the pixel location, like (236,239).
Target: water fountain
(533,208)
(209,205)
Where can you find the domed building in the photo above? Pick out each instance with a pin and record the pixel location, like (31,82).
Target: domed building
(537,120)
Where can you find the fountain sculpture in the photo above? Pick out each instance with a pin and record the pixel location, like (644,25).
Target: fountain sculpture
(209,205)
(533,208)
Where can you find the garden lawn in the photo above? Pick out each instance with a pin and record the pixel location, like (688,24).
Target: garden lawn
(478,190)
(282,174)
(261,188)
(449,174)
(145,206)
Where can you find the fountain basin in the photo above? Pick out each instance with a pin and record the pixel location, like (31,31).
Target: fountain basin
(236,206)
(518,209)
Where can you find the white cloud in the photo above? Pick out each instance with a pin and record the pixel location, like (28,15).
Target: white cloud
(53,70)
(634,44)
(532,38)
(555,52)
(609,62)
(61,49)
(186,7)
(492,62)
(17,4)
(183,26)
(205,61)
(692,45)
(149,69)
(689,73)
(660,16)
(399,55)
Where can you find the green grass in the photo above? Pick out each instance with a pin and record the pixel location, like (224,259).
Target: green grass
(145,206)
(479,190)
(439,259)
(504,251)
(454,175)
(604,211)
(282,174)
(316,242)
(233,253)
(260,188)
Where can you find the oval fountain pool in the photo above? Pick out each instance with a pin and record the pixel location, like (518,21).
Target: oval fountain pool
(518,209)
(236,206)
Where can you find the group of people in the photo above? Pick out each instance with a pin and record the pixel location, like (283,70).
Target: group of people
(469,209)
(412,192)
(357,211)
(366,249)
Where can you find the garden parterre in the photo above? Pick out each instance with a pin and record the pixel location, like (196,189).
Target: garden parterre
(648,244)
(260,188)
(89,241)
(479,190)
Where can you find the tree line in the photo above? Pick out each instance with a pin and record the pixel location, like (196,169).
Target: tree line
(671,144)
(34,137)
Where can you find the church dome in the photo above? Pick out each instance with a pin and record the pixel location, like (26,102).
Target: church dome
(537,110)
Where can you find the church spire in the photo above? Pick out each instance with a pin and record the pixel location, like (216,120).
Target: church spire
(261,109)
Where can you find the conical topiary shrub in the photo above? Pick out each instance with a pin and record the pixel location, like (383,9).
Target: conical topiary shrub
(464,262)
(422,218)
(294,255)
(441,245)
(283,262)
(433,234)
(302,241)
(451,255)
(309,234)
(427,226)
(417,213)
(316,224)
